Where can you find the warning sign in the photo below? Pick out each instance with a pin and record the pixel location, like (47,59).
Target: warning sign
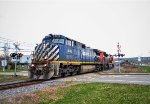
(4,62)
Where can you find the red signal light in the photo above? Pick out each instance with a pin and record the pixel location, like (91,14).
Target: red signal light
(20,54)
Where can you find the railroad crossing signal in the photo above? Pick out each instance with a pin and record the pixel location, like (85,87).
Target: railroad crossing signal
(119,54)
(20,55)
(16,56)
(119,48)
(13,55)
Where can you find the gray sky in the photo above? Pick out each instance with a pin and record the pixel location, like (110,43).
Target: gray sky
(99,24)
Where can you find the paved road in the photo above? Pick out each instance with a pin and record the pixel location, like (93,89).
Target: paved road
(95,77)
(103,77)
(22,73)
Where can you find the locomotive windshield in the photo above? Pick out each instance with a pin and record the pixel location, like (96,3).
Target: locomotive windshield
(58,41)
(47,39)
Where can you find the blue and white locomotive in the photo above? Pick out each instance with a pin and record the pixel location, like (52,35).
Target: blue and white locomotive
(59,56)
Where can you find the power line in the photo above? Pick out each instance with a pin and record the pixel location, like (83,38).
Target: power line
(13,41)
(26,46)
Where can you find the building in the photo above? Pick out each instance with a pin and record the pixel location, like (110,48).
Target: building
(141,60)
(25,59)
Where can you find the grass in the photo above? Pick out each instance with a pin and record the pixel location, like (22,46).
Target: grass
(11,78)
(146,69)
(131,70)
(100,93)
(12,70)
(90,93)
(140,69)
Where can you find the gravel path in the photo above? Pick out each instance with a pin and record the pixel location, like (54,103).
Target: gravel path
(31,88)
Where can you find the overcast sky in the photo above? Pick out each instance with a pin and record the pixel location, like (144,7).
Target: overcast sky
(99,24)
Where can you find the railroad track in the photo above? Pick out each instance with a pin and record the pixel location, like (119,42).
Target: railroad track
(19,84)
(27,83)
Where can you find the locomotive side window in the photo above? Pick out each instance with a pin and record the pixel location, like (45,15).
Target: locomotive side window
(83,46)
(58,41)
(75,43)
(72,43)
(68,42)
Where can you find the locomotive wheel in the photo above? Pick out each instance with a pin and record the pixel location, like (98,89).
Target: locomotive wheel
(112,65)
(78,70)
(46,74)
(63,75)
(108,66)
(71,73)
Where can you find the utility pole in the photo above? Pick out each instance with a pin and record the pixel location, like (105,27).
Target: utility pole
(16,48)
(119,50)
(4,62)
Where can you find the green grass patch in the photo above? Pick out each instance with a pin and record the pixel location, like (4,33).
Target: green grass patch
(11,78)
(101,93)
(132,69)
(146,69)
(90,93)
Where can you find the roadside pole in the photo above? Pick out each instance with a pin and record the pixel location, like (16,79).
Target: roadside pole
(4,62)
(15,64)
(119,64)
(17,48)
(119,50)
(119,55)
(103,65)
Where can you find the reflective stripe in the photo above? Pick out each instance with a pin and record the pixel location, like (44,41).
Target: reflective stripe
(44,53)
(37,50)
(52,50)
(54,54)
(41,51)
(57,57)
(45,49)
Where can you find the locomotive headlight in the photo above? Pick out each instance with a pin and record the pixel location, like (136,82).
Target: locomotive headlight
(32,65)
(45,65)
(45,57)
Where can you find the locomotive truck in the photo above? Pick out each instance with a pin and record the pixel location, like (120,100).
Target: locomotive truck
(60,56)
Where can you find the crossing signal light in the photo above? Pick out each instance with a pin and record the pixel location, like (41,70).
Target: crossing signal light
(15,55)
(119,55)
(20,55)
(122,55)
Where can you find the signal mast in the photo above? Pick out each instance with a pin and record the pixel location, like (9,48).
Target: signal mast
(119,55)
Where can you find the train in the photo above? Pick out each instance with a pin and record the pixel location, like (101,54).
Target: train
(60,56)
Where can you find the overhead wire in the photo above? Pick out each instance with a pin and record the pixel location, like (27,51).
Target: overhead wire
(22,44)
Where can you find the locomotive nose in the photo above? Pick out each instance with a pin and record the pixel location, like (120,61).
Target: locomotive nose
(46,51)
(39,72)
